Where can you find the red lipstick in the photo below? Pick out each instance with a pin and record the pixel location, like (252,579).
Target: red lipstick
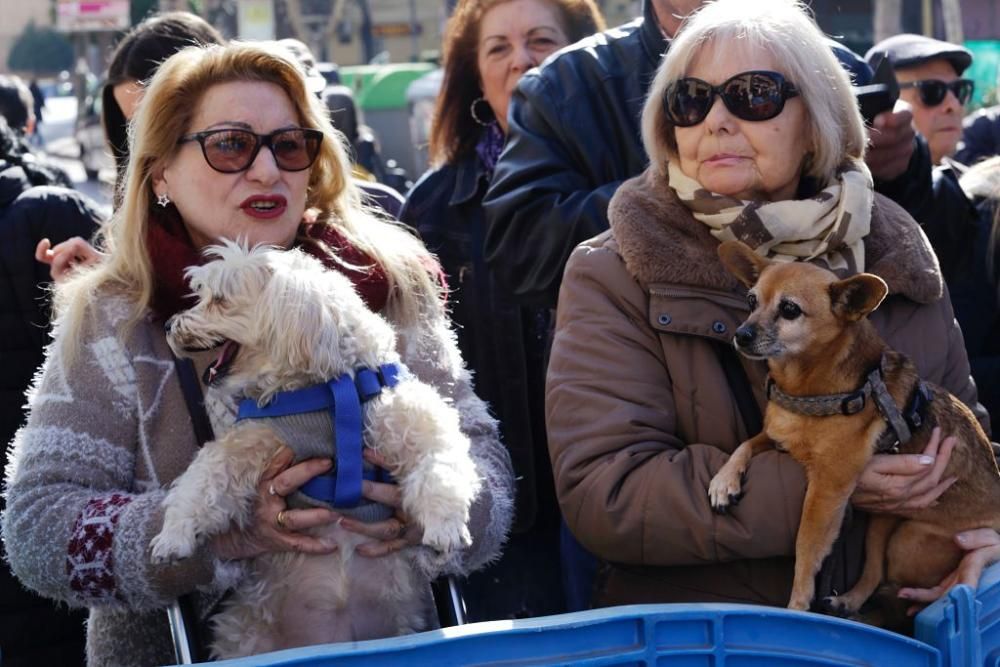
(264,207)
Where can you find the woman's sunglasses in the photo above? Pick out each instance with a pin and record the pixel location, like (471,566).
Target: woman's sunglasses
(757,95)
(933,91)
(230,150)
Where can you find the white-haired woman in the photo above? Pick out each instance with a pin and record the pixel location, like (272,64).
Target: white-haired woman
(753,133)
(228,143)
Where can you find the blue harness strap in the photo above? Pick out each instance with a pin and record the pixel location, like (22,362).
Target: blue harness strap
(342,397)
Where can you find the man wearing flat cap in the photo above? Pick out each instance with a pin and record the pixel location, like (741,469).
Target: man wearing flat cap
(929,73)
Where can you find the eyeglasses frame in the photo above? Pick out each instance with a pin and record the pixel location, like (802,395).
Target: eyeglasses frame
(262,141)
(949,85)
(786,89)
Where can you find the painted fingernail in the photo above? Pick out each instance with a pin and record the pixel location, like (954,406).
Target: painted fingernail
(962,538)
(926,460)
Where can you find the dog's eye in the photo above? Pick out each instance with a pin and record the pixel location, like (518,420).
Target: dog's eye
(752,301)
(789,310)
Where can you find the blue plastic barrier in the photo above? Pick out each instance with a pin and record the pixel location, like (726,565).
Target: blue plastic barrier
(965,624)
(960,630)
(681,635)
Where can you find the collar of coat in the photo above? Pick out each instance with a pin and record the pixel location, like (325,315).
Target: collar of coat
(661,242)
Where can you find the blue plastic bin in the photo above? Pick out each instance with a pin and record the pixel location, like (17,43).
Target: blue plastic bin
(688,635)
(960,630)
(965,624)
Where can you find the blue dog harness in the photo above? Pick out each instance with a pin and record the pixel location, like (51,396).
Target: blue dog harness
(341,398)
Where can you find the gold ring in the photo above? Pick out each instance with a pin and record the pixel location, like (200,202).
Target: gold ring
(280,520)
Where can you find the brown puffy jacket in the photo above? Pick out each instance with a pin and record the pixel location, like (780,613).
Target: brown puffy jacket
(640,415)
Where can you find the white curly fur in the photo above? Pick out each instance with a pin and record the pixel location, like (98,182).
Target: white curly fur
(298,325)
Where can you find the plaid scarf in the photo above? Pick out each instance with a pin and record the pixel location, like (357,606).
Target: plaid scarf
(827,229)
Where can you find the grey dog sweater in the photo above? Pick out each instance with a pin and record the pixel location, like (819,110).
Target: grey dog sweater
(310,435)
(107,434)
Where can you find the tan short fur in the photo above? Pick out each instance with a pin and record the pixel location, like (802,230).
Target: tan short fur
(829,349)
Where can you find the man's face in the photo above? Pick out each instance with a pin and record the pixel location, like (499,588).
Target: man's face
(670,13)
(941,122)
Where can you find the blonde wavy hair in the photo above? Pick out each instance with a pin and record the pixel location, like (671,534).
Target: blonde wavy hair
(168,107)
(785,30)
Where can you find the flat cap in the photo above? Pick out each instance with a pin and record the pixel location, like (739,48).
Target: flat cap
(910,50)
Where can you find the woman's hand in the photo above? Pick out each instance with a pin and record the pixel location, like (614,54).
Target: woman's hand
(393,534)
(894,483)
(982,549)
(274,527)
(66,256)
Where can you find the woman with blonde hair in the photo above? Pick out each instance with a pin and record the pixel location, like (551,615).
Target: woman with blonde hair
(753,134)
(227,143)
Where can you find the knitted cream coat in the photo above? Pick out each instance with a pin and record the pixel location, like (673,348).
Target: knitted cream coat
(106,436)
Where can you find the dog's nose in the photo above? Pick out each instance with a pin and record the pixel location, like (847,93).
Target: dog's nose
(745,335)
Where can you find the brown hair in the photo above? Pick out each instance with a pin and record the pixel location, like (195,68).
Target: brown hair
(453,130)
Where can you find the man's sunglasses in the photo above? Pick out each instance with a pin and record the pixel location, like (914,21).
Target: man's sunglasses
(757,95)
(933,91)
(231,150)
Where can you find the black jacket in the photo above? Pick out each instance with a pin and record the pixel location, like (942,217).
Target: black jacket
(964,239)
(574,136)
(32,630)
(502,342)
(980,136)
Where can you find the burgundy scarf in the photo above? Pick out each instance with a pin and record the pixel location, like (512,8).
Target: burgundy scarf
(171,251)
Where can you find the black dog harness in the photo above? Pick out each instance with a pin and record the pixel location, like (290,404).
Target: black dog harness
(899,425)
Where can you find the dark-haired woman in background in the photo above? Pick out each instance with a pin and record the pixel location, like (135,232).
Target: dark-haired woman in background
(135,59)
(488,46)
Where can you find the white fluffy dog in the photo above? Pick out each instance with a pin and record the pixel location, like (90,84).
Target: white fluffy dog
(298,325)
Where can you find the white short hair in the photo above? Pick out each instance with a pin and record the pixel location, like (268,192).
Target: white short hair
(785,30)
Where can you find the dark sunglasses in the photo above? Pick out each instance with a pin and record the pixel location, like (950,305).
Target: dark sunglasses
(230,150)
(757,95)
(933,91)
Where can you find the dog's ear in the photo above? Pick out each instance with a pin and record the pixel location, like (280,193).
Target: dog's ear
(853,298)
(741,261)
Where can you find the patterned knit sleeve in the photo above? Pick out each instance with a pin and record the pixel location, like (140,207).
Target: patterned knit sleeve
(431,352)
(78,516)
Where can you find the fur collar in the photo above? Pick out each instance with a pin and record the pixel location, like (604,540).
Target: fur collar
(662,243)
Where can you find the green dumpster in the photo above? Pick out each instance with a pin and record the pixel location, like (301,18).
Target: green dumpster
(984,70)
(380,93)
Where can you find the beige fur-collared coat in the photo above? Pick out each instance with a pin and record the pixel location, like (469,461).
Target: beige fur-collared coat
(640,415)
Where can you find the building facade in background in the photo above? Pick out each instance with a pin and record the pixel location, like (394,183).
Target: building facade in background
(16,15)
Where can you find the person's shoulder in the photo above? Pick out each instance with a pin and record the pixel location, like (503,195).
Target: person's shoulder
(58,210)
(897,250)
(604,53)
(383,196)
(431,191)
(596,258)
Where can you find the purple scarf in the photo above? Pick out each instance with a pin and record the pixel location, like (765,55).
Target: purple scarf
(490,145)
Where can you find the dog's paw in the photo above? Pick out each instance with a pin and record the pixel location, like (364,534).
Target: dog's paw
(725,490)
(170,546)
(843,606)
(447,535)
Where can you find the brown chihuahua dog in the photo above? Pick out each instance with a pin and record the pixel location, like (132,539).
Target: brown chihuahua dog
(837,395)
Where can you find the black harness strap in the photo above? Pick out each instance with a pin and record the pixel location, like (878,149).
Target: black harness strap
(203,432)
(195,400)
(739,384)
